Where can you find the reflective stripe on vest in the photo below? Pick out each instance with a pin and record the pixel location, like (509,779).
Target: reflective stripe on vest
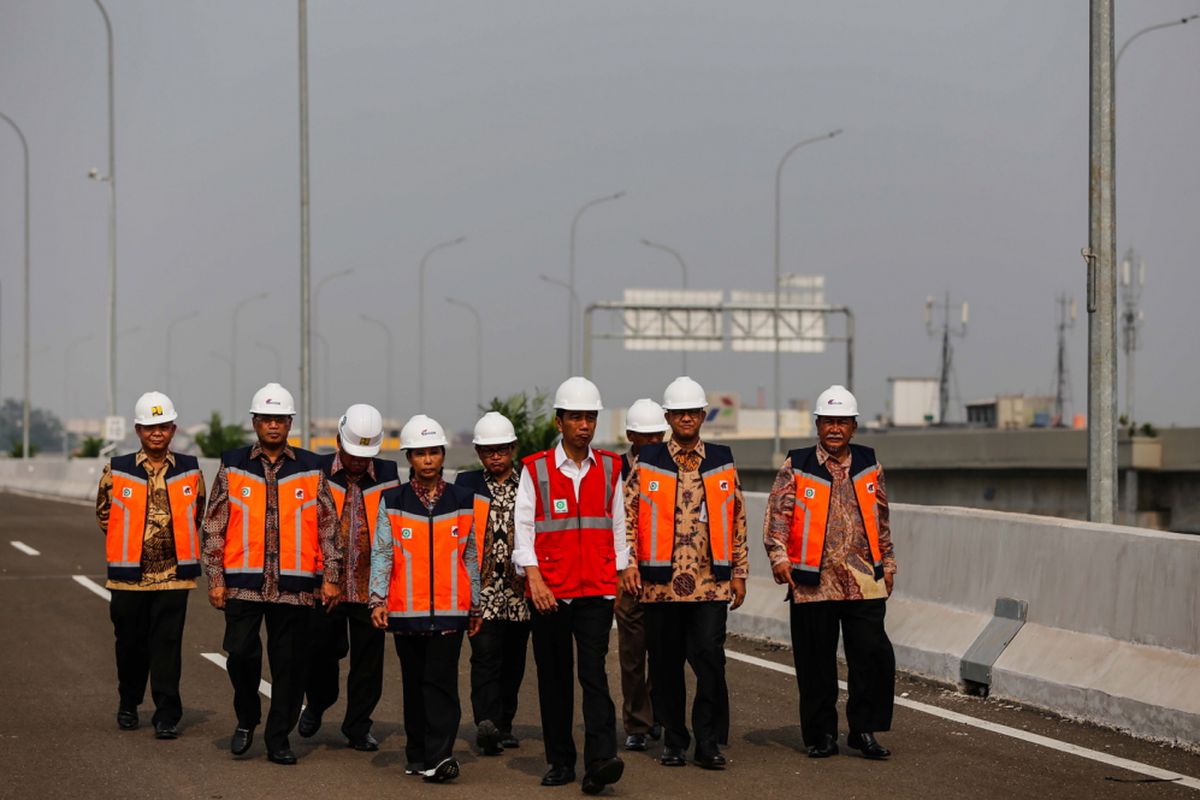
(573,537)
(127,524)
(245,533)
(430,588)
(299,541)
(482,508)
(810,519)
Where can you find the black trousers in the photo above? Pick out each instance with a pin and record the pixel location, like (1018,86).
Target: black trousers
(637,714)
(582,624)
(287,654)
(497,669)
(333,634)
(148,627)
(695,633)
(870,661)
(429,670)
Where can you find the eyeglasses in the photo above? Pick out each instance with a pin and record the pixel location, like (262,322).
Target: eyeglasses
(490,452)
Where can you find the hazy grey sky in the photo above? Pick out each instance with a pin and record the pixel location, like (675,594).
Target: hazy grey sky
(963,167)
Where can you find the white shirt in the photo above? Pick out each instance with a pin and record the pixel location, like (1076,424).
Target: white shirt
(526,507)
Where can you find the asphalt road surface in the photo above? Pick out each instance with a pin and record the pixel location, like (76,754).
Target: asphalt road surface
(58,735)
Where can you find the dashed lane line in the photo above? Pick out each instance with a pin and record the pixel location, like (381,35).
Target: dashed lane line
(24,548)
(264,688)
(1004,730)
(92,586)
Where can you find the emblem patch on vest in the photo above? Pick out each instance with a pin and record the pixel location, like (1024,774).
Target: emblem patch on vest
(560,506)
(724,486)
(187,491)
(810,493)
(454,531)
(127,492)
(870,488)
(654,486)
(245,491)
(299,494)
(406,533)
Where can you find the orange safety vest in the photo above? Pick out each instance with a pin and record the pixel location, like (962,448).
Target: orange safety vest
(430,588)
(810,516)
(473,481)
(298,482)
(386,477)
(130,505)
(573,537)
(658,482)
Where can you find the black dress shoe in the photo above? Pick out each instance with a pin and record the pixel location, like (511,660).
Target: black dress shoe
(508,741)
(365,744)
(310,723)
(825,748)
(487,737)
(866,744)
(127,720)
(165,730)
(284,756)
(558,776)
(711,762)
(636,742)
(241,741)
(672,757)
(602,773)
(656,732)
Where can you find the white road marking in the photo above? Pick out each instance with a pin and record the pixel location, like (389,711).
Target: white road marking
(92,586)
(264,688)
(24,548)
(1176,778)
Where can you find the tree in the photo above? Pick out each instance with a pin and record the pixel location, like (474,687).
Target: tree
(90,447)
(220,437)
(45,429)
(533,419)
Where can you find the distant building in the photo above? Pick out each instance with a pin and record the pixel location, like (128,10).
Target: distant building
(1011,412)
(914,402)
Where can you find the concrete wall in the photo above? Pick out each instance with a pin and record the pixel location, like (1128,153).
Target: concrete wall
(1113,633)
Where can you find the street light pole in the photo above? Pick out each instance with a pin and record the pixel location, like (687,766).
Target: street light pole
(233,348)
(1148,29)
(305,277)
(478,348)
(388,358)
(778,446)
(170,330)
(67,387)
(274,351)
(683,268)
(112,224)
(25,323)
(572,299)
(571,278)
(421,319)
(316,305)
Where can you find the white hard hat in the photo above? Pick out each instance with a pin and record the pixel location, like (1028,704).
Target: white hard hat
(153,408)
(836,401)
(273,399)
(494,428)
(684,393)
(422,431)
(360,430)
(645,416)
(577,394)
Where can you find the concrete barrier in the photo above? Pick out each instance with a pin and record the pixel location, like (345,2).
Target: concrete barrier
(1113,632)
(1113,629)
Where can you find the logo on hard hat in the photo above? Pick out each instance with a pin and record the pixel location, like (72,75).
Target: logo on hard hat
(187,491)
(245,491)
(299,494)
(406,533)
(156,411)
(724,486)
(560,506)
(810,493)
(833,401)
(427,432)
(269,402)
(654,486)
(127,492)
(364,440)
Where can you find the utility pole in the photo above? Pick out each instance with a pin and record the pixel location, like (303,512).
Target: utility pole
(305,254)
(1062,380)
(1133,277)
(946,331)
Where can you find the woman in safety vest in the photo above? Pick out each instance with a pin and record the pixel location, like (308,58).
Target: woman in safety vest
(425,589)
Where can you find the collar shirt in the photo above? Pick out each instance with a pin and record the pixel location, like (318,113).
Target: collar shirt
(524,554)
(692,576)
(354,535)
(846,565)
(217,520)
(158,542)
(503,588)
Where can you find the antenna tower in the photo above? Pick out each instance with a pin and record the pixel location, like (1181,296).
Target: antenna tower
(1132,277)
(1062,379)
(946,331)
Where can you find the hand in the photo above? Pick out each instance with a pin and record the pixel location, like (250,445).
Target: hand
(631,581)
(473,625)
(782,573)
(379,617)
(216,597)
(889,578)
(543,598)
(738,585)
(331,595)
